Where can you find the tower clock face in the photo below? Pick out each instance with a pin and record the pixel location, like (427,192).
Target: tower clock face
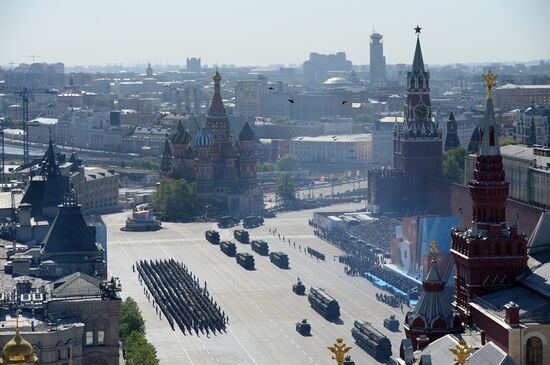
(421,112)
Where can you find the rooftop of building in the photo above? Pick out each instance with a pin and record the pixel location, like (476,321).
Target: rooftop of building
(438,352)
(44,121)
(392,119)
(528,153)
(514,86)
(96,173)
(363,137)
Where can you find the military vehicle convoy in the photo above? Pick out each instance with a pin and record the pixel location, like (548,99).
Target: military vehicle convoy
(246,260)
(252,221)
(228,221)
(241,235)
(371,340)
(280,259)
(323,303)
(228,248)
(212,236)
(303,328)
(392,323)
(299,288)
(260,246)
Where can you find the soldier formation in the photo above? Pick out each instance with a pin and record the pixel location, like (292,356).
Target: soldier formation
(176,292)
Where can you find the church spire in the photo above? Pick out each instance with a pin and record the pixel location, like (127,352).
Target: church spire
(216,107)
(418,61)
(489,136)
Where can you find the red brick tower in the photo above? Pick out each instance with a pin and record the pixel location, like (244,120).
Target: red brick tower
(433,316)
(490,255)
(418,144)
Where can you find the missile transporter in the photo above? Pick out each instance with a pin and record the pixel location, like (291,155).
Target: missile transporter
(241,235)
(212,236)
(246,260)
(299,288)
(323,303)
(228,248)
(371,340)
(260,246)
(280,259)
(303,328)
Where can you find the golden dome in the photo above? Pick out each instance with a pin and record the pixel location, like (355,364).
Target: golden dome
(18,351)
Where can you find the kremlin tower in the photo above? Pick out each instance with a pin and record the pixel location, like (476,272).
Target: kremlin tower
(433,316)
(490,255)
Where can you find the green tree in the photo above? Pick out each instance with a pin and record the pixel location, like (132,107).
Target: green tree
(285,190)
(507,141)
(130,318)
(266,166)
(364,118)
(147,163)
(139,351)
(175,199)
(287,163)
(453,165)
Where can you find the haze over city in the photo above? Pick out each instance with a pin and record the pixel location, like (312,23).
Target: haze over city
(264,183)
(278,32)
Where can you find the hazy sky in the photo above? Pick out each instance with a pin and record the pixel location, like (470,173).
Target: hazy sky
(260,32)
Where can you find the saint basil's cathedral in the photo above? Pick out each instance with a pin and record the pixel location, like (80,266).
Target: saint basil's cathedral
(225,173)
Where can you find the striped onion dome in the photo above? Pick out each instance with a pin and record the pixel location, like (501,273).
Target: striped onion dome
(203,139)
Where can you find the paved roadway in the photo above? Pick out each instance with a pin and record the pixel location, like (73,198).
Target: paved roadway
(261,306)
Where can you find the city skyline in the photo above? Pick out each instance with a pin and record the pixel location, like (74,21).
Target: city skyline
(220,33)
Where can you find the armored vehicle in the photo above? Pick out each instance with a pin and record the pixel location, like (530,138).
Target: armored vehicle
(260,246)
(228,248)
(252,221)
(212,237)
(246,260)
(241,235)
(323,303)
(228,221)
(303,328)
(279,259)
(371,340)
(299,288)
(391,323)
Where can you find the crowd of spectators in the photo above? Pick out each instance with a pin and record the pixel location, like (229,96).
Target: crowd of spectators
(378,232)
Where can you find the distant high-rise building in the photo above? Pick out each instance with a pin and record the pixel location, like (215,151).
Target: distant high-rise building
(318,65)
(194,65)
(377,59)
(149,71)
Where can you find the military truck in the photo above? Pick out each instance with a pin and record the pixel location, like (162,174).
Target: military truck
(371,340)
(323,303)
(260,246)
(252,221)
(392,323)
(303,328)
(228,248)
(228,221)
(241,235)
(212,236)
(280,259)
(299,288)
(246,260)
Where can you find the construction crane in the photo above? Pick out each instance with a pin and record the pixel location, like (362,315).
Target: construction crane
(24,93)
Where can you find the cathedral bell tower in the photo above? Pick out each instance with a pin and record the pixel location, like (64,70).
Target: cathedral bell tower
(490,255)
